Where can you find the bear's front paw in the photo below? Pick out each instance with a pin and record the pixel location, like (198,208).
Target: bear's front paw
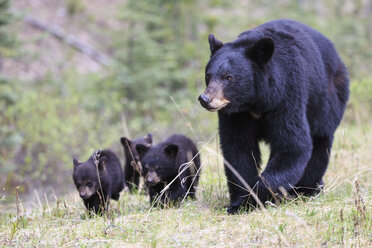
(233,209)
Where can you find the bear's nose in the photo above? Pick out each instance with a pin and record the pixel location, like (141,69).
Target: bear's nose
(204,99)
(151,181)
(82,194)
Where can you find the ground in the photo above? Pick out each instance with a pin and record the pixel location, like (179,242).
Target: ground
(339,217)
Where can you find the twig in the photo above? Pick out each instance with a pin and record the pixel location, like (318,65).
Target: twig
(184,117)
(70,40)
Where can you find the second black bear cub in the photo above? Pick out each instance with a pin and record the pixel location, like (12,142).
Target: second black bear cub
(174,161)
(98,180)
(132,166)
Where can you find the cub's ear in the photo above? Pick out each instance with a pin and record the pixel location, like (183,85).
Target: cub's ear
(148,138)
(171,150)
(102,163)
(262,51)
(76,162)
(142,149)
(214,44)
(124,141)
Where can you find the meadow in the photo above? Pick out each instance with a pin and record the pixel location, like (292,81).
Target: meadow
(338,217)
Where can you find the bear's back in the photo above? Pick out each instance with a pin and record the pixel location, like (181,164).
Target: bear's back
(185,147)
(304,53)
(114,170)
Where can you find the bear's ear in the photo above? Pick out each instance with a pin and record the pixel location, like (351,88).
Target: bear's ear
(76,162)
(124,141)
(262,51)
(171,150)
(102,163)
(148,138)
(142,149)
(126,144)
(214,44)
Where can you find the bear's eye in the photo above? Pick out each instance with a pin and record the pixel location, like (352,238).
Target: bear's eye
(227,77)
(89,184)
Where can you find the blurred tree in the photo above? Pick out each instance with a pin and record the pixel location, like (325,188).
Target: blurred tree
(369,19)
(9,137)
(158,56)
(7,93)
(6,40)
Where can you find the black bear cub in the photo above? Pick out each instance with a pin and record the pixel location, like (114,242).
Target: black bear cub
(174,162)
(98,180)
(282,83)
(132,166)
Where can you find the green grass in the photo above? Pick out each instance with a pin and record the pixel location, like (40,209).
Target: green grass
(338,217)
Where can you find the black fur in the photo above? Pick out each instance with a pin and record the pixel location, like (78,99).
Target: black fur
(97,191)
(132,166)
(284,83)
(164,161)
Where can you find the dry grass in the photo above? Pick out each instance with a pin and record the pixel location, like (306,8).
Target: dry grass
(339,217)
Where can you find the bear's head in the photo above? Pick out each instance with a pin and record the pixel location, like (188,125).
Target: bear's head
(234,73)
(85,176)
(159,162)
(131,152)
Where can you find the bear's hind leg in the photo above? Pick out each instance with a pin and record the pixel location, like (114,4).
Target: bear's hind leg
(115,196)
(311,182)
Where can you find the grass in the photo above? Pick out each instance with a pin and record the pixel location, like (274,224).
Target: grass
(338,217)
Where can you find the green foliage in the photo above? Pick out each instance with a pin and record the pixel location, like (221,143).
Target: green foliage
(74,7)
(8,136)
(360,103)
(8,96)
(6,38)
(155,58)
(47,126)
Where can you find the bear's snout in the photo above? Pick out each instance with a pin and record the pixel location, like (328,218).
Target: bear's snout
(213,98)
(83,194)
(213,103)
(204,99)
(152,178)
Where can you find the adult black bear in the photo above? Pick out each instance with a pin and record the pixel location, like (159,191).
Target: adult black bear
(98,180)
(284,83)
(132,166)
(174,161)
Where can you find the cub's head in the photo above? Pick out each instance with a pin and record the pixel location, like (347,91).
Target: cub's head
(85,176)
(159,162)
(234,72)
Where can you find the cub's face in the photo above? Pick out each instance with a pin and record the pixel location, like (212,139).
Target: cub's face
(158,163)
(232,74)
(151,173)
(85,179)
